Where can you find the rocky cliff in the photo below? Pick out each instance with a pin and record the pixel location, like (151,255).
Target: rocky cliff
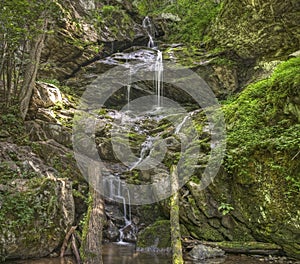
(255,196)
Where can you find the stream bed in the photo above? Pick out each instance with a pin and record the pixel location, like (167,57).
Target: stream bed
(126,254)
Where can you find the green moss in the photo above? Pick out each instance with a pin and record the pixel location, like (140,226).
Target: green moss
(263,139)
(204,232)
(157,235)
(22,211)
(85,227)
(257,120)
(248,245)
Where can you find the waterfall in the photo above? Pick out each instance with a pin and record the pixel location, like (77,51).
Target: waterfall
(146,146)
(159,77)
(178,128)
(128,95)
(148,26)
(116,190)
(128,65)
(150,42)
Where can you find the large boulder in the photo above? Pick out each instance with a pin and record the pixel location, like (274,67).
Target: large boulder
(37,208)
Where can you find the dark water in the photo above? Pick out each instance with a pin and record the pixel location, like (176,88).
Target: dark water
(117,254)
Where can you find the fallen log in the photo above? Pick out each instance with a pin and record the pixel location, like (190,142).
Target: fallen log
(236,247)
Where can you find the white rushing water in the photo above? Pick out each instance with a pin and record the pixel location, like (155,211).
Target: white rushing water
(116,190)
(149,27)
(158,78)
(146,147)
(181,124)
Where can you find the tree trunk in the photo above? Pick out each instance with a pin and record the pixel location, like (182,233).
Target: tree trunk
(31,71)
(92,234)
(174,219)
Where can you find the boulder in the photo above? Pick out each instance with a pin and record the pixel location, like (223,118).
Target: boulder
(46,95)
(37,207)
(200,252)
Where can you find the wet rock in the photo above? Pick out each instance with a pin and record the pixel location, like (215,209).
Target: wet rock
(200,252)
(157,237)
(111,232)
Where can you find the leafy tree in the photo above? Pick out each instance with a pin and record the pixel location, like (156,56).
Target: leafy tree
(23,25)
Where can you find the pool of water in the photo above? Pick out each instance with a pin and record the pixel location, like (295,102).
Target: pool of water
(126,254)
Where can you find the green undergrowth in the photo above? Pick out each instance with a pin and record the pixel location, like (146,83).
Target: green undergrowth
(26,210)
(12,126)
(187,20)
(113,18)
(263,124)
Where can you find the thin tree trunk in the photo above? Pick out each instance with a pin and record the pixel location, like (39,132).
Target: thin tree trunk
(31,71)
(174,219)
(92,235)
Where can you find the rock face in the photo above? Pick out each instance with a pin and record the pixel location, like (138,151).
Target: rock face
(80,39)
(37,209)
(246,26)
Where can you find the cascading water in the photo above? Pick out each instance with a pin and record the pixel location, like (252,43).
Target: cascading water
(159,77)
(129,83)
(178,128)
(146,146)
(148,26)
(116,190)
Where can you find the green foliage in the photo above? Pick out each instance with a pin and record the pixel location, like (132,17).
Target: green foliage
(21,22)
(12,126)
(225,208)
(109,10)
(20,209)
(194,16)
(113,18)
(261,127)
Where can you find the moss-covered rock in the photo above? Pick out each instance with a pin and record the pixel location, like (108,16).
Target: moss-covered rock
(157,236)
(37,209)
(262,157)
(257,28)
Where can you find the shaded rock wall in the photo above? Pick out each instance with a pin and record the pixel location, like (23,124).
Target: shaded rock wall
(37,208)
(87,31)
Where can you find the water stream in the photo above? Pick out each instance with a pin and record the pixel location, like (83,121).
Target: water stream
(118,254)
